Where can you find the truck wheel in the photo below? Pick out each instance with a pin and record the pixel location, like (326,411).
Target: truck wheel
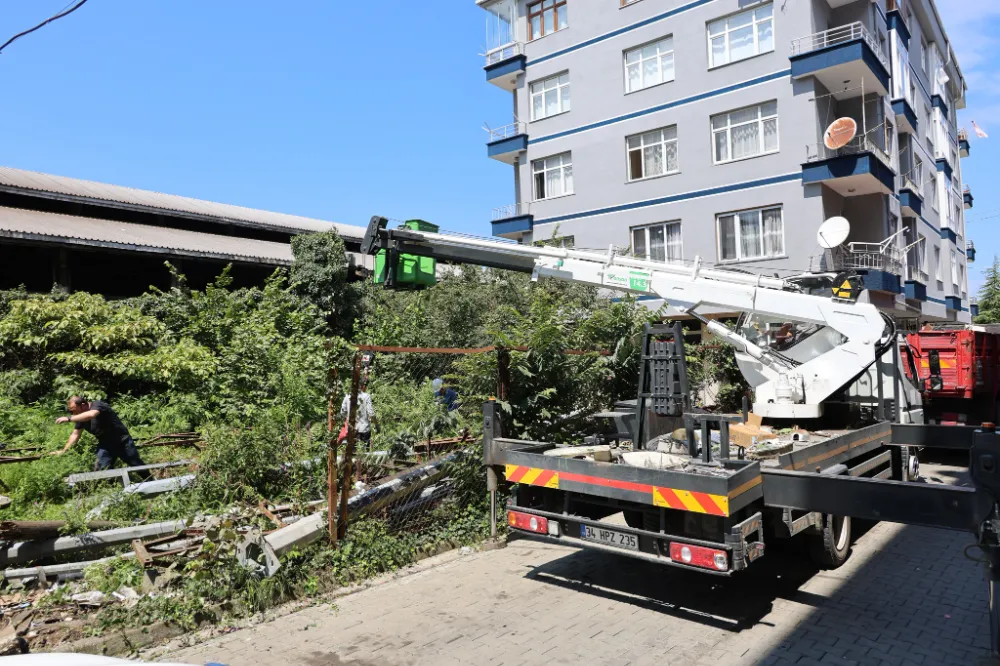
(910,464)
(831,548)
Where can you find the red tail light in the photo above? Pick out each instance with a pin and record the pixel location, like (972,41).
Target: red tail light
(524,521)
(698,556)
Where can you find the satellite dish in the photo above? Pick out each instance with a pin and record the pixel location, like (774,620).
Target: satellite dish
(833,232)
(840,132)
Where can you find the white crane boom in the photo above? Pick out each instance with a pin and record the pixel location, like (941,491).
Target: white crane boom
(793,384)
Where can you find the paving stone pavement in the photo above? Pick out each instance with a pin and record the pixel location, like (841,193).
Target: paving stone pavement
(906,596)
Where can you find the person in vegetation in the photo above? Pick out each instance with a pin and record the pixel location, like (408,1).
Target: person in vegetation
(113,439)
(365,418)
(445,395)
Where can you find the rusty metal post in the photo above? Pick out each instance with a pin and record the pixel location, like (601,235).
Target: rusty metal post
(503,375)
(352,435)
(331,458)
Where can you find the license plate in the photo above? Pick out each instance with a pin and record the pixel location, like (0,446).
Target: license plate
(609,537)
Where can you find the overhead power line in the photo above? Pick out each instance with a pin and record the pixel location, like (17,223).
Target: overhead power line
(64,12)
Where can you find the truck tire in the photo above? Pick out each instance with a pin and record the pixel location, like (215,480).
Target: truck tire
(911,465)
(831,548)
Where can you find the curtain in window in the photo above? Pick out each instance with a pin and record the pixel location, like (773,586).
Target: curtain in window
(639,243)
(674,245)
(657,251)
(750,240)
(727,237)
(746,140)
(774,244)
(568,179)
(653,160)
(770,134)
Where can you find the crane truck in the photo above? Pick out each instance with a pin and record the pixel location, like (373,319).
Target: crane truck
(814,352)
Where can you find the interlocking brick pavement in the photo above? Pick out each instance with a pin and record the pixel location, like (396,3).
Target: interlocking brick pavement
(906,596)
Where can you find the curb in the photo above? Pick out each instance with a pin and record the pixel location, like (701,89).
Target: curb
(131,641)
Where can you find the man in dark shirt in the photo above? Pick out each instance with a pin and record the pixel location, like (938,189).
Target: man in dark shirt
(113,438)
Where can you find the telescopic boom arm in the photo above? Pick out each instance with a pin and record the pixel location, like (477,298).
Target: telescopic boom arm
(790,390)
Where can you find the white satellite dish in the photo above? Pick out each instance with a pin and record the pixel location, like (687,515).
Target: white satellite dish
(833,232)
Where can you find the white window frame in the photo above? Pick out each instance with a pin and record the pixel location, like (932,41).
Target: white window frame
(562,92)
(726,31)
(925,52)
(954,271)
(761,119)
(664,143)
(938,272)
(672,251)
(738,239)
(659,57)
(542,166)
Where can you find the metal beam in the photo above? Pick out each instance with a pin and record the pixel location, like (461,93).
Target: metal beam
(949,507)
(122,472)
(27,551)
(954,437)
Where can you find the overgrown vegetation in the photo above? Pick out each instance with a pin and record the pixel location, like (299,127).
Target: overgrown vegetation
(989,295)
(250,369)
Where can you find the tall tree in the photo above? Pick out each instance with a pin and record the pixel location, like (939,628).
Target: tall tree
(989,295)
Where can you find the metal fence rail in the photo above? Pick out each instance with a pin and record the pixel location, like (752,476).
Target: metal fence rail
(835,37)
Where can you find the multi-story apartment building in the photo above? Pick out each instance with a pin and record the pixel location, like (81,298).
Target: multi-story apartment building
(684,128)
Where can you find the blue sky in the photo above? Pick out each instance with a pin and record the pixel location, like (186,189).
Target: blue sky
(335,110)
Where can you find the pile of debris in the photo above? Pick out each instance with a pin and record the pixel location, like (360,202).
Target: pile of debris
(44,566)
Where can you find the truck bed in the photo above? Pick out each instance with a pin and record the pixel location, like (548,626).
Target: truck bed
(719,489)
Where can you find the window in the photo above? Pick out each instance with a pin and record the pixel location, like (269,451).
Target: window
(546,17)
(961,282)
(649,65)
(746,133)
(629,2)
(653,153)
(918,174)
(741,36)
(934,192)
(751,234)
(925,57)
(954,269)
(550,96)
(937,265)
(658,242)
(553,176)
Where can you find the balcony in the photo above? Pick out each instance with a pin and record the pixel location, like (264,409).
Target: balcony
(906,118)
(508,142)
(861,167)
(967,198)
(910,200)
(504,64)
(897,22)
(963,143)
(879,264)
(945,168)
(974,307)
(953,302)
(512,221)
(915,286)
(846,59)
(970,251)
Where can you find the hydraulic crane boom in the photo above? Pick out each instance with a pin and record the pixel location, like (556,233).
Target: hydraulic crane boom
(788,384)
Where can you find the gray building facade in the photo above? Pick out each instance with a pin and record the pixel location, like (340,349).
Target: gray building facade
(699,128)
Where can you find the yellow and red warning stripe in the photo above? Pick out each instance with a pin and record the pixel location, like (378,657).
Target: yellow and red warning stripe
(532,476)
(671,498)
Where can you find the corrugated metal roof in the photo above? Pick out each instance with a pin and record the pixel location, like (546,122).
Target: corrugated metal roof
(75,189)
(68,229)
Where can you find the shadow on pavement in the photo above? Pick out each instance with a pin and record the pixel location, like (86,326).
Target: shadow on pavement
(915,599)
(732,603)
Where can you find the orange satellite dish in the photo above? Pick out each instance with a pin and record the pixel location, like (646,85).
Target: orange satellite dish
(840,132)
